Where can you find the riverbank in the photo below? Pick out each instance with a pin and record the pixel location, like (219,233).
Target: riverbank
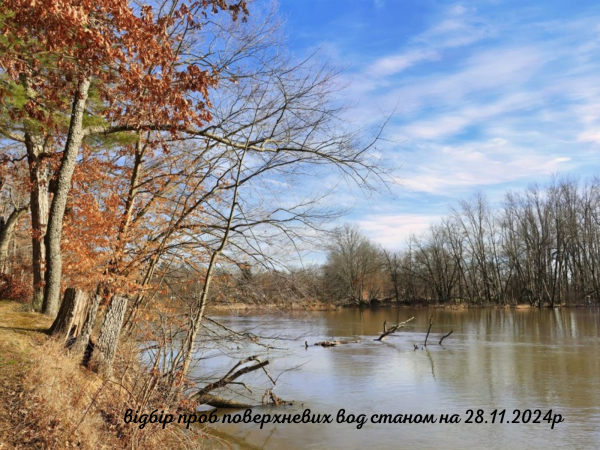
(49,400)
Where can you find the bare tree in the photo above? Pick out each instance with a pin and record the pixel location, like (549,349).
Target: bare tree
(353,266)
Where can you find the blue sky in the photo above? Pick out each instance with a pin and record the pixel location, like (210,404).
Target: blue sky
(488,95)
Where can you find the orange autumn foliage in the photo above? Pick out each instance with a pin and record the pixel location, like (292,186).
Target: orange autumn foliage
(131,52)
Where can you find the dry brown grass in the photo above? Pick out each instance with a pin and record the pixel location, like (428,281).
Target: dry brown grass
(48,400)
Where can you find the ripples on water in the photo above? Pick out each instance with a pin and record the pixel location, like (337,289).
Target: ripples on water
(495,359)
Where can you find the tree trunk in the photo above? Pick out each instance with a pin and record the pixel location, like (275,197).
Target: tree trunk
(106,347)
(59,201)
(196,319)
(69,321)
(83,339)
(38,177)
(7,229)
(35,144)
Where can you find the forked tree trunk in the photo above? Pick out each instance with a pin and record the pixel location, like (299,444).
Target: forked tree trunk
(59,201)
(105,349)
(72,313)
(83,339)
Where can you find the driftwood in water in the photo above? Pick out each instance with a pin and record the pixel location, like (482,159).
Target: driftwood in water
(445,336)
(106,347)
(220,402)
(269,398)
(393,329)
(71,315)
(429,329)
(334,343)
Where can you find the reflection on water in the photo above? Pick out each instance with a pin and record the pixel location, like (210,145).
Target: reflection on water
(495,359)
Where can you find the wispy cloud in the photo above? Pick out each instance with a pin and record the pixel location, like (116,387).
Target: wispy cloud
(391,65)
(459,26)
(484,94)
(460,168)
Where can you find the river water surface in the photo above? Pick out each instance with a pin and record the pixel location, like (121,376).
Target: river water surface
(496,359)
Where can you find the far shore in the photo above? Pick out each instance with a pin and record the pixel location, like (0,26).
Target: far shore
(322,306)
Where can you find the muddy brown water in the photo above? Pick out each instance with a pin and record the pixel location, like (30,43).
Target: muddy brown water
(496,359)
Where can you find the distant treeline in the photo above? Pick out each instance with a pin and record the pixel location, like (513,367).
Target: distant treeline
(539,246)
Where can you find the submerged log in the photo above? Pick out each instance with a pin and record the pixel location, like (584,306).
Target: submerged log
(269,398)
(72,313)
(393,329)
(334,343)
(220,402)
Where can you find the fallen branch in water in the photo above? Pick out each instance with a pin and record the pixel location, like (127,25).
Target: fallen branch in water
(445,336)
(232,375)
(392,330)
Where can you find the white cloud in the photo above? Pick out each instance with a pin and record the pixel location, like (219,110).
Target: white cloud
(460,26)
(391,65)
(444,170)
(392,230)
(589,136)
(445,124)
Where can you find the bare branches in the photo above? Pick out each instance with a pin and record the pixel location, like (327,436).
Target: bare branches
(428,329)
(232,375)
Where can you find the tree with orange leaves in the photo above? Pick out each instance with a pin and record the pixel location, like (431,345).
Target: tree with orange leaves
(74,69)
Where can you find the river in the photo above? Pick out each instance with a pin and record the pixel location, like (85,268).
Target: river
(496,359)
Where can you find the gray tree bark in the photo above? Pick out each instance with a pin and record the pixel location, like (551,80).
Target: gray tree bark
(106,347)
(59,201)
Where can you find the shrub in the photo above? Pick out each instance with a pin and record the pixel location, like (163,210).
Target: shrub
(12,288)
